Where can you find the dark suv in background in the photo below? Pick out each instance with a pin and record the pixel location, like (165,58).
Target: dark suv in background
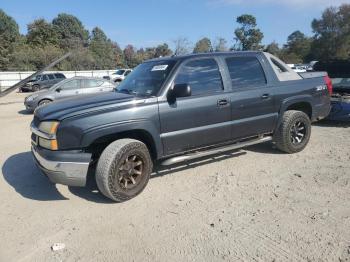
(42,81)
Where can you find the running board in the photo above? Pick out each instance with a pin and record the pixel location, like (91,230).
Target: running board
(179,159)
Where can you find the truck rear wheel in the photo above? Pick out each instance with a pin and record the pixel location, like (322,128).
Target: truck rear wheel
(294,132)
(124,169)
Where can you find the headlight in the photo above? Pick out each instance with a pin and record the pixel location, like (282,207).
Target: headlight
(48,127)
(31,98)
(48,143)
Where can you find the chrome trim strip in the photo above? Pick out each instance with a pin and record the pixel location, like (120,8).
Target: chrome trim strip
(216,125)
(39,133)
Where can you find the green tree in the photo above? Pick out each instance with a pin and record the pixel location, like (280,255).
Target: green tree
(221,45)
(81,59)
(130,56)
(71,31)
(118,55)
(297,48)
(248,37)
(332,34)
(102,50)
(28,57)
(273,49)
(182,46)
(162,50)
(41,33)
(9,35)
(203,46)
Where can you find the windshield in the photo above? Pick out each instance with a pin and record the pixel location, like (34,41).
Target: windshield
(147,78)
(119,72)
(52,88)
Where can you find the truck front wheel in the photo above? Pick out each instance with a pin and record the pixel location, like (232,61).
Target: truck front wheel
(123,169)
(293,134)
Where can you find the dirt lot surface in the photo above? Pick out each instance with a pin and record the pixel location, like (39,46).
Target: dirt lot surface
(251,205)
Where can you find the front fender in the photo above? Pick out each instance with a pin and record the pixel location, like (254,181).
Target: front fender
(124,126)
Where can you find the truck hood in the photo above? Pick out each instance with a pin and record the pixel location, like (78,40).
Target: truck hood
(68,107)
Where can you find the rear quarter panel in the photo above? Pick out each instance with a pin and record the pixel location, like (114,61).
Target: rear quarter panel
(311,90)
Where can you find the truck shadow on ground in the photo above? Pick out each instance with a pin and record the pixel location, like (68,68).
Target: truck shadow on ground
(264,148)
(21,173)
(24,112)
(91,192)
(329,123)
(160,170)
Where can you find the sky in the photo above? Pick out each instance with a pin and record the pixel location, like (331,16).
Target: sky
(144,23)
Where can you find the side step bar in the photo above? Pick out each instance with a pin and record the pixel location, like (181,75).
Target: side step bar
(198,154)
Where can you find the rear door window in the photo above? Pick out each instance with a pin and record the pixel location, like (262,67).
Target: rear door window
(70,85)
(59,76)
(245,72)
(90,83)
(51,77)
(202,75)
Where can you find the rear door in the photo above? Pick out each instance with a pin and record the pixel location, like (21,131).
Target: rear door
(252,98)
(90,86)
(52,80)
(44,81)
(201,119)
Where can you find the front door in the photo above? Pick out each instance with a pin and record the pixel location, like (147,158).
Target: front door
(203,119)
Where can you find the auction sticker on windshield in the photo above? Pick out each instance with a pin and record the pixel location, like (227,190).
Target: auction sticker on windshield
(159,68)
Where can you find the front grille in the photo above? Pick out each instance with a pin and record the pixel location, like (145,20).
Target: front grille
(34,139)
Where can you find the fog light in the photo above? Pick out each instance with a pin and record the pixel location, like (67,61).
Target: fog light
(48,144)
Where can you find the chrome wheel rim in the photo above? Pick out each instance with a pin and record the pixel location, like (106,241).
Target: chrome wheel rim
(131,172)
(298,132)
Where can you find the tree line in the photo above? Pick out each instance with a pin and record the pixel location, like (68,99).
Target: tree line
(48,40)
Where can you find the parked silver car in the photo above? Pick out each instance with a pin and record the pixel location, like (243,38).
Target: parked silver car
(68,88)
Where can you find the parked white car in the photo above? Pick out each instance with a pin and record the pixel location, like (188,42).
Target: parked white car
(119,75)
(298,68)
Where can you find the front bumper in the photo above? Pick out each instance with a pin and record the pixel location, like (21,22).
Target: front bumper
(63,167)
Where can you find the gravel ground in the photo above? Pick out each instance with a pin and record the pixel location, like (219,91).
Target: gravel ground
(250,205)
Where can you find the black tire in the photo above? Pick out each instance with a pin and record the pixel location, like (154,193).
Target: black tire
(36,88)
(295,126)
(113,169)
(44,102)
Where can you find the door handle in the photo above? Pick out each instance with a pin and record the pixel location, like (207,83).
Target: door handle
(265,96)
(77,92)
(222,102)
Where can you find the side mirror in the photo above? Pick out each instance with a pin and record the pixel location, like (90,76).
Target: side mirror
(181,90)
(58,90)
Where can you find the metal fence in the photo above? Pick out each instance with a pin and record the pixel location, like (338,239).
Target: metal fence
(8,79)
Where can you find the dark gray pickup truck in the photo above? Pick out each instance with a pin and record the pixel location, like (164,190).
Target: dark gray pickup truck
(176,109)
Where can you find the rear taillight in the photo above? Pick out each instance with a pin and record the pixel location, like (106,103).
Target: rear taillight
(328,82)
